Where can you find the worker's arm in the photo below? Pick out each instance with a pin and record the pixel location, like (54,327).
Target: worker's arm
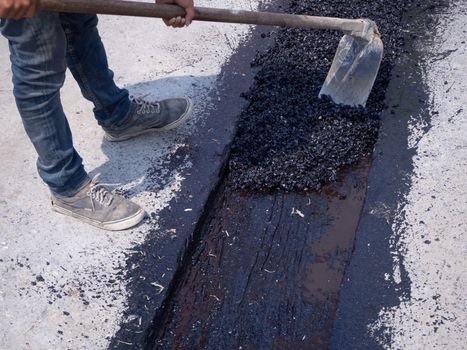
(178,22)
(16,9)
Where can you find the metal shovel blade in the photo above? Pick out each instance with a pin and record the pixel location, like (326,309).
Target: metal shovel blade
(353,70)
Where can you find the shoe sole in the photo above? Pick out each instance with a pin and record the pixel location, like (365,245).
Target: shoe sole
(170,126)
(120,225)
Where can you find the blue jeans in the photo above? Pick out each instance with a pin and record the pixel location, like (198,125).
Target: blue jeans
(41,49)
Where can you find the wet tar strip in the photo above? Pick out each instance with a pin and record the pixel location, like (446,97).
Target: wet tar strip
(267,272)
(269,261)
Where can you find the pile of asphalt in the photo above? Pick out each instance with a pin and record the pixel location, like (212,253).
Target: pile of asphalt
(288,139)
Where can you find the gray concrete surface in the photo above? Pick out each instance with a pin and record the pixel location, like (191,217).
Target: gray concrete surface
(58,278)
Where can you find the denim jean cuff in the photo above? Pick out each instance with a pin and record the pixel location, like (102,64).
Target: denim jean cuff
(122,122)
(73,186)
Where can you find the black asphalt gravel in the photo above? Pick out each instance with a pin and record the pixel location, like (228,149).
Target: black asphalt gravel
(287,138)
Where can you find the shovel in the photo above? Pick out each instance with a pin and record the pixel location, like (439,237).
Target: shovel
(353,70)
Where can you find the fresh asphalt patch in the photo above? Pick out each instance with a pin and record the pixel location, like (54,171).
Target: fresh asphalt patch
(287,138)
(281,203)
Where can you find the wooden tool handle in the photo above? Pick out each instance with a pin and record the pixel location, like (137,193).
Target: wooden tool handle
(143,9)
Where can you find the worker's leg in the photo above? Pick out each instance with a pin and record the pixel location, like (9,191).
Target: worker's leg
(86,59)
(38,48)
(121,118)
(38,55)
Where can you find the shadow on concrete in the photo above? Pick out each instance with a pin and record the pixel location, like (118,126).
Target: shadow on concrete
(147,162)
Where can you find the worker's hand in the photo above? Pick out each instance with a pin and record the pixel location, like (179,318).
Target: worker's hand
(178,22)
(16,9)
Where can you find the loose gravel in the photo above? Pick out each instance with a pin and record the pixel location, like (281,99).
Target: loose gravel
(287,138)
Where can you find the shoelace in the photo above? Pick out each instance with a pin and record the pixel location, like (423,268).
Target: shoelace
(98,193)
(143,107)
